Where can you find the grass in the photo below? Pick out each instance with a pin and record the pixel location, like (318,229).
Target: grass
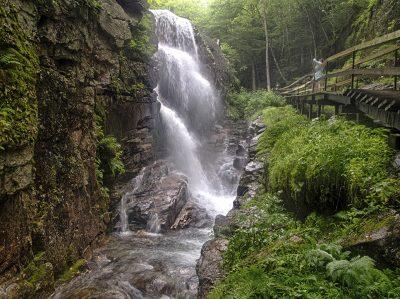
(327,163)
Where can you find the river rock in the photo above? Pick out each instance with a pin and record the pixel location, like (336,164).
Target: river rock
(381,241)
(192,215)
(239,163)
(209,265)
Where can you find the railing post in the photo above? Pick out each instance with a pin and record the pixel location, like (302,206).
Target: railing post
(326,77)
(396,64)
(353,65)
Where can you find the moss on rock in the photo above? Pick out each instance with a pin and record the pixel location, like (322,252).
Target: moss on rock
(18,73)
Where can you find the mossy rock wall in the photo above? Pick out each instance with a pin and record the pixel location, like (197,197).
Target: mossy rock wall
(76,75)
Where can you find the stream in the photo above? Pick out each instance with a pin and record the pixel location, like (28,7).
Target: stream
(185,190)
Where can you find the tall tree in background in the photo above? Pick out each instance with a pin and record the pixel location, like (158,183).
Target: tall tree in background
(263,11)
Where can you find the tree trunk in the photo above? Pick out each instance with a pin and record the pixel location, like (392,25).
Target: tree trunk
(253,77)
(267,68)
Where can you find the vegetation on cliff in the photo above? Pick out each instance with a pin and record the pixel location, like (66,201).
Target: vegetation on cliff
(18,71)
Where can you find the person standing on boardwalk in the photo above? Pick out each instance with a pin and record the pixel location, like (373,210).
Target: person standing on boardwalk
(319,70)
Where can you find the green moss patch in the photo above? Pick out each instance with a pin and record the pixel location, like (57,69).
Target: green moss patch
(18,72)
(73,271)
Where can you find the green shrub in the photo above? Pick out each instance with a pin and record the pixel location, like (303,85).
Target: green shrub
(245,105)
(326,163)
(109,152)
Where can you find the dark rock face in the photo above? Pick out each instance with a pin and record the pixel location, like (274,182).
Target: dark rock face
(192,215)
(216,64)
(134,8)
(50,200)
(380,241)
(209,266)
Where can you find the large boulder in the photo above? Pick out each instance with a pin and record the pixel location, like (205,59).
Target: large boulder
(159,198)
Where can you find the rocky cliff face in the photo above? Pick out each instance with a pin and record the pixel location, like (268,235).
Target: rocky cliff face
(70,72)
(215,62)
(210,265)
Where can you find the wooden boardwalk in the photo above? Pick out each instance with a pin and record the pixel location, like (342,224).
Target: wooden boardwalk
(350,88)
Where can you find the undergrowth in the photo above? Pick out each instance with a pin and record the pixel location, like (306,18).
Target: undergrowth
(314,163)
(327,163)
(245,104)
(280,257)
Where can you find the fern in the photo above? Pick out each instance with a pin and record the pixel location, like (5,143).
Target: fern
(357,271)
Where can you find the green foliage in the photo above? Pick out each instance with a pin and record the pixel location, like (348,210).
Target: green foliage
(244,104)
(38,274)
(193,10)
(109,153)
(142,43)
(280,257)
(278,121)
(327,163)
(18,71)
(73,271)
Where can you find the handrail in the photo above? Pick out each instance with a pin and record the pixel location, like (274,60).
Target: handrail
(372,43)
(351,70)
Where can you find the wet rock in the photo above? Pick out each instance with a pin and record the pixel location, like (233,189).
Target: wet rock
(253,168)
(166,201)
(229,174)
(115,22)
(380,240)
(160,198)
(222,226)
(192,215)
(239,163)
(17,179)
(209,265)
(253,146)
(241,150)
(133,7)
(19,158)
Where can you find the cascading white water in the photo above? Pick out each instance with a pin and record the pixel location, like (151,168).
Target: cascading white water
(189,105)
(136,182)
(183,148)
(175,31)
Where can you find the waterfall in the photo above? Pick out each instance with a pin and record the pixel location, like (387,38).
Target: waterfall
(136,183)
(189,107)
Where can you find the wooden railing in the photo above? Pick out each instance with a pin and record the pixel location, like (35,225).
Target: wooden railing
(347,75)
